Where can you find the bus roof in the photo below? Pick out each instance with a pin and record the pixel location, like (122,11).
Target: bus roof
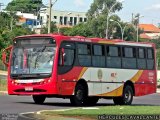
(61,38)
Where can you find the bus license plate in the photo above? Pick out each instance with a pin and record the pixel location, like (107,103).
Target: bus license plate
(28,88)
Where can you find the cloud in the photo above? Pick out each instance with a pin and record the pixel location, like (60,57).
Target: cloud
(154,7)
(79,3)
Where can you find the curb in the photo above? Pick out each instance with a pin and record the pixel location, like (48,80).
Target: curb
(3,72)
(25,116)
(4,92)
(39,112)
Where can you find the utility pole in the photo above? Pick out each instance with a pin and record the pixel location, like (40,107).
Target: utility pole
(50,14)
(11,23)
(138,16)
(49,21)
(132,18)
(1,4)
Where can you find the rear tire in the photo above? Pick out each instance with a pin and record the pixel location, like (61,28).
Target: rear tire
(126,98)
(39,99)
(80,96)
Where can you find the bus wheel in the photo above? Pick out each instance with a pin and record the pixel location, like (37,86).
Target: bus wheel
(80,95)
(39,99)
(91,101)
(126,98)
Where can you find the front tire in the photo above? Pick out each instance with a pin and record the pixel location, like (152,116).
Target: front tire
(39,99)
(80,96)
(126,98)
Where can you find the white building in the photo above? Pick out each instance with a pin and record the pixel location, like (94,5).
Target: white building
(62,18)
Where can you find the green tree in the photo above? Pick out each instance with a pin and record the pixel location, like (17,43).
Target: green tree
(98,13)
(81,29)
(66,31)
(4,20)
(128,29)
(27,6)
(54,28)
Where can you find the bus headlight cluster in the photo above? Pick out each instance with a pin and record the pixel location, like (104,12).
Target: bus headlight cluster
(39,82)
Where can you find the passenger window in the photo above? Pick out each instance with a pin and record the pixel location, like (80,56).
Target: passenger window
(150,54)
(141,61)
(150,58)
(129,58)
(113,51)
(98,58)
(129,52)
(84,49)
(141,53)
(84,54)
(113,59)
(67,54)
(68,57)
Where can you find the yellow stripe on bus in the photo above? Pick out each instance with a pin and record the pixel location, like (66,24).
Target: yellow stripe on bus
(82,72)
(137,76)
(116,92)
(106,42)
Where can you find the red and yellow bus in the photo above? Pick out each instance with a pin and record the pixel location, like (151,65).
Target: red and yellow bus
(79,68)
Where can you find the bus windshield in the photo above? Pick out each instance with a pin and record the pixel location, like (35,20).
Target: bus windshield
(32,60)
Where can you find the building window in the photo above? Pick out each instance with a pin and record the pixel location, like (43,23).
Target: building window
(55,17)
(85,19)
(65,20)
(71,21)
(80,19)
(75,20)
(61,20)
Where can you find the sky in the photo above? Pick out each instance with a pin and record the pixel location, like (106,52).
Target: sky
(148,9)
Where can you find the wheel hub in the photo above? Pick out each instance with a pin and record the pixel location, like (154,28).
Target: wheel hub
(79,95)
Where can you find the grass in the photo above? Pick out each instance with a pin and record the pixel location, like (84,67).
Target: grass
(3,85)
(109,110)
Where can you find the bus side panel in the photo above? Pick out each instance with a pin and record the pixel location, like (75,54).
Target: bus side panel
(144,89)
(67,81)
(146,84)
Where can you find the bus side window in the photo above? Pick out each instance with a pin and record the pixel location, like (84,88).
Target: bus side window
(141,61)
(66,57)
(150,58)
(113,59)
(84,54)
(98,58)
(129,58)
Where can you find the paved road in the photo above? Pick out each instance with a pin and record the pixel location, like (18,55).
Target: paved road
(20,104)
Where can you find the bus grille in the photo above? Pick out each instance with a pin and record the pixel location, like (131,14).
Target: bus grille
(35,90)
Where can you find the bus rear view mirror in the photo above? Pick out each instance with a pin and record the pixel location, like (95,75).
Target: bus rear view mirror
(4,55)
